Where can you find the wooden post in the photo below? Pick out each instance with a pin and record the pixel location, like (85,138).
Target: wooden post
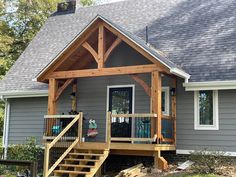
(156,104)
(52,94)
(80,127)
(101,46)
(33,169)
(159,110)
(108,129)
(159,162)
(46,160)
(173,106)
(74,92)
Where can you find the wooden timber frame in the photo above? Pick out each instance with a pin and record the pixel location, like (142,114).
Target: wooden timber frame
(59,79)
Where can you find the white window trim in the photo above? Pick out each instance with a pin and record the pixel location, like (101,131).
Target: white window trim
(215,125)
(167,101)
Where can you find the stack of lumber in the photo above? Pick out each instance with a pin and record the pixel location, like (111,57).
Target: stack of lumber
(135,171)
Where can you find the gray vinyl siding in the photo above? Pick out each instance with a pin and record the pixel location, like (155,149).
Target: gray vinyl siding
(190,139)
(26,119)
(92,99)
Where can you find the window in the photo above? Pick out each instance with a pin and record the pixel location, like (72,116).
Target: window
(206,110)
(165,102)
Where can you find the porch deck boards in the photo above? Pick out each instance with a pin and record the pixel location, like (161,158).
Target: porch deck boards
(122,147)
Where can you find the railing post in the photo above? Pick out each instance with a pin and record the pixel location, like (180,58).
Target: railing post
(108,129)
(46,160)
(80,127)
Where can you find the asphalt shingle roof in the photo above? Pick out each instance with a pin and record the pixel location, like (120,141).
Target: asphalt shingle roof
(199,36)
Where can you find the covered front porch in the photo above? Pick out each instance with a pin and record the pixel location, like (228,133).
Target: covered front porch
(124,85)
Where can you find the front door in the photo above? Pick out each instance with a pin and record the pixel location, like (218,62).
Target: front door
(120,102)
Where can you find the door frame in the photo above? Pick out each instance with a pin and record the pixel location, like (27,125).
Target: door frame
(132,86)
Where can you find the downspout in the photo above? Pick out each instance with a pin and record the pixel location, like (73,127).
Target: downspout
(6,126)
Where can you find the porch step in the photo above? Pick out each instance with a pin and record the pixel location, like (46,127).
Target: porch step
(72,172)
(82,160)
(76,166)
(85,154)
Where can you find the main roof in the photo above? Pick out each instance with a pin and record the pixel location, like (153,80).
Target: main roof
(198,36)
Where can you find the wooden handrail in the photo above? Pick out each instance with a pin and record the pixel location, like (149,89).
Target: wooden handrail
(59,116)
(64,131)
(134,115)
(62,157)
(78,118)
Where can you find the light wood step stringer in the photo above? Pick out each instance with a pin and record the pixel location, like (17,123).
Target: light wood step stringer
(81,163)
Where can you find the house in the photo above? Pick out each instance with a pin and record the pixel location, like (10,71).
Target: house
(132,77)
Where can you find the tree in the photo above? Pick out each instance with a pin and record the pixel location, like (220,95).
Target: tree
(87,2)
(19,23)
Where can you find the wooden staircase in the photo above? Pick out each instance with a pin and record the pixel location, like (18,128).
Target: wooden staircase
(81,163)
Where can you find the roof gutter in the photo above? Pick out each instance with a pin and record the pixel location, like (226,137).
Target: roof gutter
(211,85)
(180,73)
(24,94)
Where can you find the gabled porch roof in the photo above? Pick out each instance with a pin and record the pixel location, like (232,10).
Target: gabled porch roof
(138,44)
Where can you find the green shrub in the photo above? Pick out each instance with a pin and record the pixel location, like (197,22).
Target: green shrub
(207,161)
(28,151)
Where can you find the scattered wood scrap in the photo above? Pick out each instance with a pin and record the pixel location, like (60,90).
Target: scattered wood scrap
(134,171)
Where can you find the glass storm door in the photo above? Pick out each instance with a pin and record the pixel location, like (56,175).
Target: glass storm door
(120,102)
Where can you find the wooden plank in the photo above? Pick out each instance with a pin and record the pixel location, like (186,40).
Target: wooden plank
(101,45)
(52,104)
(108,132)
(62,156)
(153,101)
(142,83)
(80,127)
(52,91)
(88,47)
(58,116)
(133,139)
(92,145)
(159,110)
(64,130)
(135,115)
(74,100)
(53,137)
(62,88)
(85,154)
(111,48)
(46,161)
(104,71)
(74,165)
(72,172)
(166,117)
(141,147)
